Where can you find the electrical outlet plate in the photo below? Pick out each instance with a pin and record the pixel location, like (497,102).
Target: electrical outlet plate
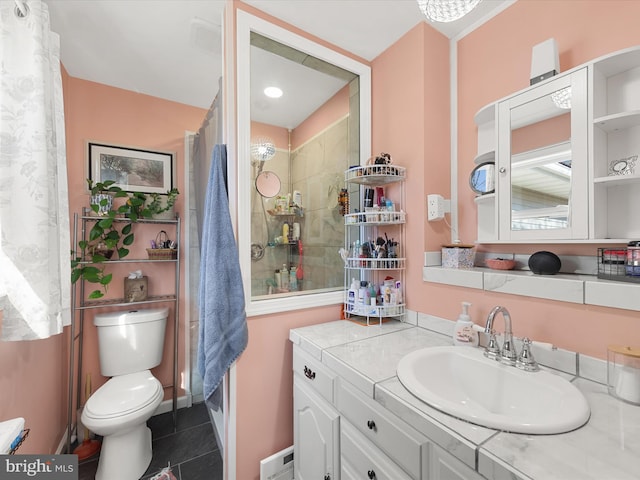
(435,207)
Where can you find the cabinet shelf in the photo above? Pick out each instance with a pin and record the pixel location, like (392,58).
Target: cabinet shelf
(132,260)
(120,302)
(381,217)
(85,217)
(374,311)
(375,263)
(485,157)
(375,175)
(618,121)
(617,180)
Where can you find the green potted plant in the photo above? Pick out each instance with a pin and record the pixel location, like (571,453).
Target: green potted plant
(161,206)
(107,236)
(102,195)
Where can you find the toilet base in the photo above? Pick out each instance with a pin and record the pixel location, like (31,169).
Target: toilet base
(125,456)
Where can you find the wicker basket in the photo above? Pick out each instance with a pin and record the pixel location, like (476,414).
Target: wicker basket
(162,253)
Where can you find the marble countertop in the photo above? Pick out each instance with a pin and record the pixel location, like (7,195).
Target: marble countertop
(606,448)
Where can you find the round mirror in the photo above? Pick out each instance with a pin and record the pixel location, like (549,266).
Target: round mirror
(482,178)
(268,184)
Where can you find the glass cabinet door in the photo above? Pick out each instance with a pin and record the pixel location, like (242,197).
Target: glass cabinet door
(542,161)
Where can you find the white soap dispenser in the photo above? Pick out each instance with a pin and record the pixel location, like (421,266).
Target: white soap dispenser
(463,333)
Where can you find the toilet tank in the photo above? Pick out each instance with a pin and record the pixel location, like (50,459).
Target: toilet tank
(130,341)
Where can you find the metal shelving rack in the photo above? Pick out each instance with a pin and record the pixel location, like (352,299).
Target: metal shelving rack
(368,225)
(79,304)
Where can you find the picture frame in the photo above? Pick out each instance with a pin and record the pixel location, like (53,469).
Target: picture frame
(134,169)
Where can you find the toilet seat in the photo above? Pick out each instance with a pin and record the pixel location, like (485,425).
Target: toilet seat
(123,395)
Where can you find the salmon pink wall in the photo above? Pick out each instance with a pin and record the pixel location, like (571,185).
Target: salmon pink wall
(114,116)
(279,135)
(410,120)
(493,62)
(330,112)
(33,384)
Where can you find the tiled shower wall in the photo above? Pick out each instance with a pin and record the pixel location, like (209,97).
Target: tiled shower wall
(317,170)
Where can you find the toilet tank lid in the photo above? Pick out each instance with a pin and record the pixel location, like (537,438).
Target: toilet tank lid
(126,317)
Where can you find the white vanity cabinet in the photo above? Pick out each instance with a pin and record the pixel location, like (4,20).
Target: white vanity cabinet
(341,433)
(316,423)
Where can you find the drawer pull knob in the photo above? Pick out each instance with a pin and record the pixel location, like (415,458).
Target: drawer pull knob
(310,374)
(372,426)
(371,474)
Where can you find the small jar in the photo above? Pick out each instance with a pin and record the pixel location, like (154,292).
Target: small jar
(633,258)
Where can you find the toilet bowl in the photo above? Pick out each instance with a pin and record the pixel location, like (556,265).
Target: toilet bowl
(119,409)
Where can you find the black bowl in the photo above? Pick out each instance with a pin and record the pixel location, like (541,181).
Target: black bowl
(544,263)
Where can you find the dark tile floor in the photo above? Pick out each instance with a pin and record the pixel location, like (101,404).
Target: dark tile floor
(191,449)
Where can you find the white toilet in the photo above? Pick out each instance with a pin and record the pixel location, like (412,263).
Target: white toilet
(130,343)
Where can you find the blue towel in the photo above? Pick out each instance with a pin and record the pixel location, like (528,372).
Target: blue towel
(223,331)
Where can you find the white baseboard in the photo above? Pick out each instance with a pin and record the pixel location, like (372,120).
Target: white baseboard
(63,443)
(167,405)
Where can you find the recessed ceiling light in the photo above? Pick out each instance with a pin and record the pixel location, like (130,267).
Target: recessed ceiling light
(273,92)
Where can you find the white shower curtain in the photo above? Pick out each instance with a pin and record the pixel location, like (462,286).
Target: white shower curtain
(34,212)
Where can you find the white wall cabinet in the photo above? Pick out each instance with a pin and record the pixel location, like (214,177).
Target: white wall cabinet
(615,145)
(604,169)
(340,433)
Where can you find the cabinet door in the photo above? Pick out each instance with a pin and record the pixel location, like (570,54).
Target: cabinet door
(316,430)
(444,466)
(542,172)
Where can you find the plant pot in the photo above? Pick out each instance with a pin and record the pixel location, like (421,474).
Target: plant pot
(164,213)
(104,201)
(167,215)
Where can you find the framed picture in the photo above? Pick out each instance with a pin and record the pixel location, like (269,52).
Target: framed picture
(133,169)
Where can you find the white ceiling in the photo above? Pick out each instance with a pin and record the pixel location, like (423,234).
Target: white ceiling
(172,48)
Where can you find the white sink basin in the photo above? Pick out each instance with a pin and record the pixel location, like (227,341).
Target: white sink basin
(462,382)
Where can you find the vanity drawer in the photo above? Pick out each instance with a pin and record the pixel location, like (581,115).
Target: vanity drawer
(360,459)
(314,373)
(396,438)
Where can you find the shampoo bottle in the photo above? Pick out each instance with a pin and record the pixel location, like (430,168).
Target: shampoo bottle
(463,333)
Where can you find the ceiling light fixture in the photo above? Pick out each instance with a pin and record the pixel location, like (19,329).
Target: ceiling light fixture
(446,10)
(273,92)
(262,149)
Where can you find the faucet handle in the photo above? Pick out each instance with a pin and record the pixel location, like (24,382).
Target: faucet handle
(493,349)
(525,360)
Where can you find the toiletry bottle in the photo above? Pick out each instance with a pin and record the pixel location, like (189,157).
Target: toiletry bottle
(293,280)
(352,296)
(284,274)
(463,333)
(285,232)
(364,293)
(278,279)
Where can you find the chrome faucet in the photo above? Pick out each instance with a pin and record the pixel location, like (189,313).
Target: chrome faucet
(508,353)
